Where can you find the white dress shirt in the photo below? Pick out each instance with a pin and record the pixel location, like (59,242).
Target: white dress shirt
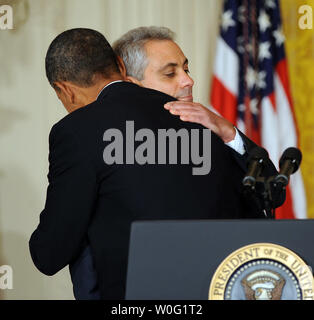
(237,143)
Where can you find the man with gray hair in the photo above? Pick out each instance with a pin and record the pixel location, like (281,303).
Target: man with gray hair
(130,47)
(152,59)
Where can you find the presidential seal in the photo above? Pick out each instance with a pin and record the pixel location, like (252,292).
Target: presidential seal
(262,271)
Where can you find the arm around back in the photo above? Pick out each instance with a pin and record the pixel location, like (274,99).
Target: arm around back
(70,200)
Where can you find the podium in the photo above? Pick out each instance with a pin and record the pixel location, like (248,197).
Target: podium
(221,260)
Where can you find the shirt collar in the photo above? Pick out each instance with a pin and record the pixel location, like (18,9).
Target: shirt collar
(107,85)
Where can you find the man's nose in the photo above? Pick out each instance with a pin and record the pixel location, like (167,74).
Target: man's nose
(186,80)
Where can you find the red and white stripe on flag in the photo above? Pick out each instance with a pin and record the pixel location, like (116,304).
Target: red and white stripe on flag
(277,128)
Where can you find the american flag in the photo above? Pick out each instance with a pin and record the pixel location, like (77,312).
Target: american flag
(250,85)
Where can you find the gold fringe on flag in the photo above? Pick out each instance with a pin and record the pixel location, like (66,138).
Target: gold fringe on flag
(300,55)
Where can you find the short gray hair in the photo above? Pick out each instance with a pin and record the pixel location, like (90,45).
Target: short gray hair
(130,47)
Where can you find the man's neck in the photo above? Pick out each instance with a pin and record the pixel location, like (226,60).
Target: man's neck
(100,85)
(92,93)
(87,95)
(106,85)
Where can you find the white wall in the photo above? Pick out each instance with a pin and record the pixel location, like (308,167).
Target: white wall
(28,107)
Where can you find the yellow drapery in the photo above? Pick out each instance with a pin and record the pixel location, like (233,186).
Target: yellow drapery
(300,55)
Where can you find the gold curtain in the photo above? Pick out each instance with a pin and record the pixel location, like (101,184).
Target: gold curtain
(300,55)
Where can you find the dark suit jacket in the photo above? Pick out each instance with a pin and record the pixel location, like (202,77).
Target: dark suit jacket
(91,202)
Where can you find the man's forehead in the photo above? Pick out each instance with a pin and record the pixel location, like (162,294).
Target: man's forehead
(165,53)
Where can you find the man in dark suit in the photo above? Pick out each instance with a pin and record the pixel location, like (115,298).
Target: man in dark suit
(92,202)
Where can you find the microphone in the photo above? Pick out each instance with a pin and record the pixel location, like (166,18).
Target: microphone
(289,163)
(255,163)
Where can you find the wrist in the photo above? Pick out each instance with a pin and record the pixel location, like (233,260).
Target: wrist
(228,133)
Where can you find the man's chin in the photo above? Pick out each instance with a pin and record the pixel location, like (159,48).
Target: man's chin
(187,98)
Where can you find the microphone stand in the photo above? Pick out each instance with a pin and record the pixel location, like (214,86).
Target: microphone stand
(270,211)
(267,195)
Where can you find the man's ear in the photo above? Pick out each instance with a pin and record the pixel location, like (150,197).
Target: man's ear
(65,89)
(121,66)
(123,72)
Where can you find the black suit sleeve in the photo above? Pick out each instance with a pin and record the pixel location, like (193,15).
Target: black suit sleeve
(269,170)
(71,193)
